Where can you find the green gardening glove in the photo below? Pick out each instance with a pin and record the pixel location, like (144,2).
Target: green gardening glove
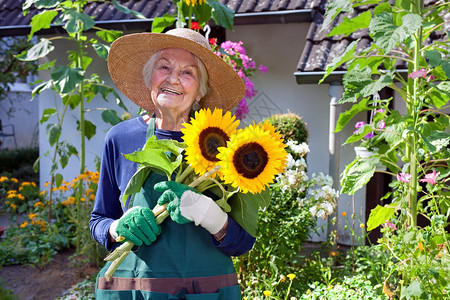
(138,226)
(186,204)
(172,192)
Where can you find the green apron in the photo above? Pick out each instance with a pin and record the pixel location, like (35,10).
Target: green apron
(181,264)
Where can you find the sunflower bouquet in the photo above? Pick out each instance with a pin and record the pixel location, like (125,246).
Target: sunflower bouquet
(234,164)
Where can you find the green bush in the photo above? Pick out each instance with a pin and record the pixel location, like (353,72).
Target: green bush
(291,127)
(351,288)
(19,163)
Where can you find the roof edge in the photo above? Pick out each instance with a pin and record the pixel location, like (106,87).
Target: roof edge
(269,17)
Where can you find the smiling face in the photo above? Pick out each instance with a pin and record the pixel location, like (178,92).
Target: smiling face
(175,82)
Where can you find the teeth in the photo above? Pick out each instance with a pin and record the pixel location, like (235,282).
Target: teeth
(170,91)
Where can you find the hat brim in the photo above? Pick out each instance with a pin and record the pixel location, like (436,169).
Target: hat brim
(129,54)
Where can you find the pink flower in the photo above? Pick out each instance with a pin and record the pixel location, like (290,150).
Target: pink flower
(242,110)
(369,135)
(262,68)
(431,177)
(381,124)
(360,124)
(404,177)
(419,73)
(380,110)
(390,225)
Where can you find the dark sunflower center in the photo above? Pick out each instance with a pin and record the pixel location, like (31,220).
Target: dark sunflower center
(210,139)
(250,160)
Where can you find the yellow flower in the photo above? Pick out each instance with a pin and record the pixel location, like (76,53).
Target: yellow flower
(3,179)
(344,214)
(13,206)
(89,191)
(39,204)
(92,197)
(362,225)
(47,184)
(42,192)
(207,131)
(420,246)
(82,199)
(267,126)
(14,180)
(251,159)
(24,224)
(291,276)
(267,293)
(21,197)
(11,192)
(333,253)
(33,184)
(32,216)
(69,201)
(194,2)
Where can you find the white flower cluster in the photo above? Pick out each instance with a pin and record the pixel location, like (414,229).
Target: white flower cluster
(321,196)
(301,149)
(294,178)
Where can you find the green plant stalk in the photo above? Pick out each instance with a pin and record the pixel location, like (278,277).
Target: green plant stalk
(83,133)
(413,110)
(52,180)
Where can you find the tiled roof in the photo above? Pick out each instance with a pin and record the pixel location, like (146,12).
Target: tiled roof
(13,22)
(320,50)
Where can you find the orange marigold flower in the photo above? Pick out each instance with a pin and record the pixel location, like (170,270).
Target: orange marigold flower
(39,204)
(344,214)
(420,246)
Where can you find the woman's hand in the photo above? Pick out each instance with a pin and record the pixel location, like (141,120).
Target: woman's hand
(185,204)
(137,225)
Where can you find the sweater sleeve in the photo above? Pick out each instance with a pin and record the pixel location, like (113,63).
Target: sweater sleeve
(107,206)
(236,242)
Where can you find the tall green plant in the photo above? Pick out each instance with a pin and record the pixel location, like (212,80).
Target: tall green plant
(200,10)
(71,82)
(417,140)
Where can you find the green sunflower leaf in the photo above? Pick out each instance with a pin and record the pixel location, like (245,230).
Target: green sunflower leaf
(379,215)
(244,209)
(136,182)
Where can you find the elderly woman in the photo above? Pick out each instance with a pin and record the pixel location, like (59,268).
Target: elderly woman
(168,75)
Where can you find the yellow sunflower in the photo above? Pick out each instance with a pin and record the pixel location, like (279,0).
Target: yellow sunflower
(206,132)
(252,158)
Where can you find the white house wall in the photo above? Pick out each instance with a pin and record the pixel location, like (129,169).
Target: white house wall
(23,117)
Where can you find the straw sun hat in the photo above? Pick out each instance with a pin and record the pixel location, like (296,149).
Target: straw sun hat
(128,55)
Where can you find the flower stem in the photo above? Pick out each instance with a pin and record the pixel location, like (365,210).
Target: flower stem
(204,176)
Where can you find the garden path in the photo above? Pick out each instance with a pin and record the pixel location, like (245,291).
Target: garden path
(29,282)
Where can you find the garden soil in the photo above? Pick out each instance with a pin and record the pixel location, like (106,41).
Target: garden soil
(50,282)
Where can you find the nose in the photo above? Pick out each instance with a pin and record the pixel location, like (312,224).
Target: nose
(173,77)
